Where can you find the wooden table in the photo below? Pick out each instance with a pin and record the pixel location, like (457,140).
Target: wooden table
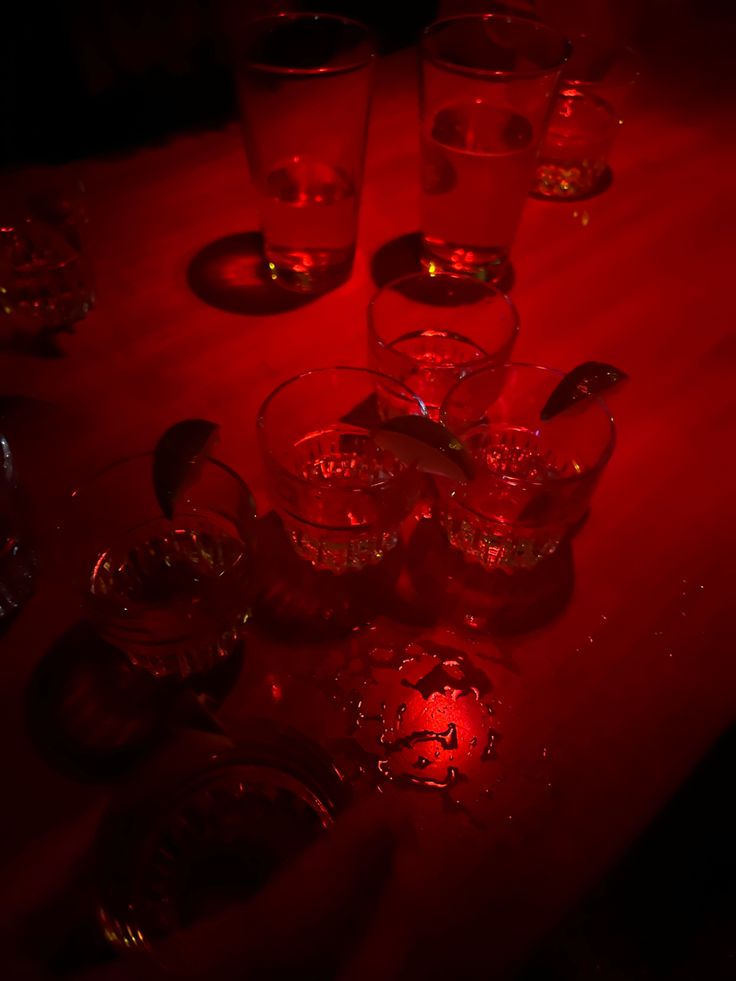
(602,713)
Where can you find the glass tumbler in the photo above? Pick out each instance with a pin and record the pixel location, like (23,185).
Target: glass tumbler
(533,480)
(429,331)
(172,594)
(304,85)
(208,834)
(487,86)
(598,82)
(45,271)
(341,497)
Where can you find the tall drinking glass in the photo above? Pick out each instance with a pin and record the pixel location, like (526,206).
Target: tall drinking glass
(487,84)
(429,331)
(304,84)
(341,497)
(533,480)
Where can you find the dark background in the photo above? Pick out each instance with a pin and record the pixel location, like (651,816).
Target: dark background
(85,77)
(82,77)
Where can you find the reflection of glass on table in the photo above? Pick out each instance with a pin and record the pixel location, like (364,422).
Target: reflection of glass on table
(429,331)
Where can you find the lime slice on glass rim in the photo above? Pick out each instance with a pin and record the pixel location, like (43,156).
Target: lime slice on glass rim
(427,445)
(583,382)
(178,457)
(430,447)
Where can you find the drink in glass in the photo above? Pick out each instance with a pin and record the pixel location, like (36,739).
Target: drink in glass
(304,84)
(171,593)
(45,271)
(533,480)
(598,81)
(487,84)
(429,331)
(342,498)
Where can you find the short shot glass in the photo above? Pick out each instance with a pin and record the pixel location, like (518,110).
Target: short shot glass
(342,498)
(171,593)
(430,331)
(533,480)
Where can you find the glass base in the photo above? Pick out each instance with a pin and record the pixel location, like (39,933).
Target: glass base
(309,272)
(570,181)
(487,265)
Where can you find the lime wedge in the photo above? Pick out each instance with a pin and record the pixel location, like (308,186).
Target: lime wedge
(588,379)
(427,445)
(177,458)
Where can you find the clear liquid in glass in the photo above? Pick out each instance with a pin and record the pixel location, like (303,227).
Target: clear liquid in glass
(477,169)
(308,213)
(499,522)
(573,158)
(349,502)
(434,361)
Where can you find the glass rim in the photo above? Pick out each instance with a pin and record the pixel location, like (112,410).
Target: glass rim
(487,359)
(603,457)
(622,50)
(492,73)
(261,415)
(84,485)
(291,16)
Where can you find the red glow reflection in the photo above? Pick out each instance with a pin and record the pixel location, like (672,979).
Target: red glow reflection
(424,713)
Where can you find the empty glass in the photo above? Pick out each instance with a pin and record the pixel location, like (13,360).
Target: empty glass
(341,497)
(429,331)
(533,480)
(172,594)
(487,84)
(304,83)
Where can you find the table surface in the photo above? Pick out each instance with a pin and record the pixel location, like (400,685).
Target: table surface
(603,712)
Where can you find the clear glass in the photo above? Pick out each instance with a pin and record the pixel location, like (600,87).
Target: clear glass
(172,594)
(17,558)
(45,272)
(598,82)
(487,85)
(533,480)
(341,498)
(430,331)
(211,836)
(304,84)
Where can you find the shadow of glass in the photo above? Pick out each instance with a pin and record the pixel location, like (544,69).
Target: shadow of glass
(298,603)
(231,275)
(42,343)
(401,256)
(496,602)
(93,716)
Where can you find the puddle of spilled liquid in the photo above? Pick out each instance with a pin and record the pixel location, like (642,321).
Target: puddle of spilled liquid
(421,716)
